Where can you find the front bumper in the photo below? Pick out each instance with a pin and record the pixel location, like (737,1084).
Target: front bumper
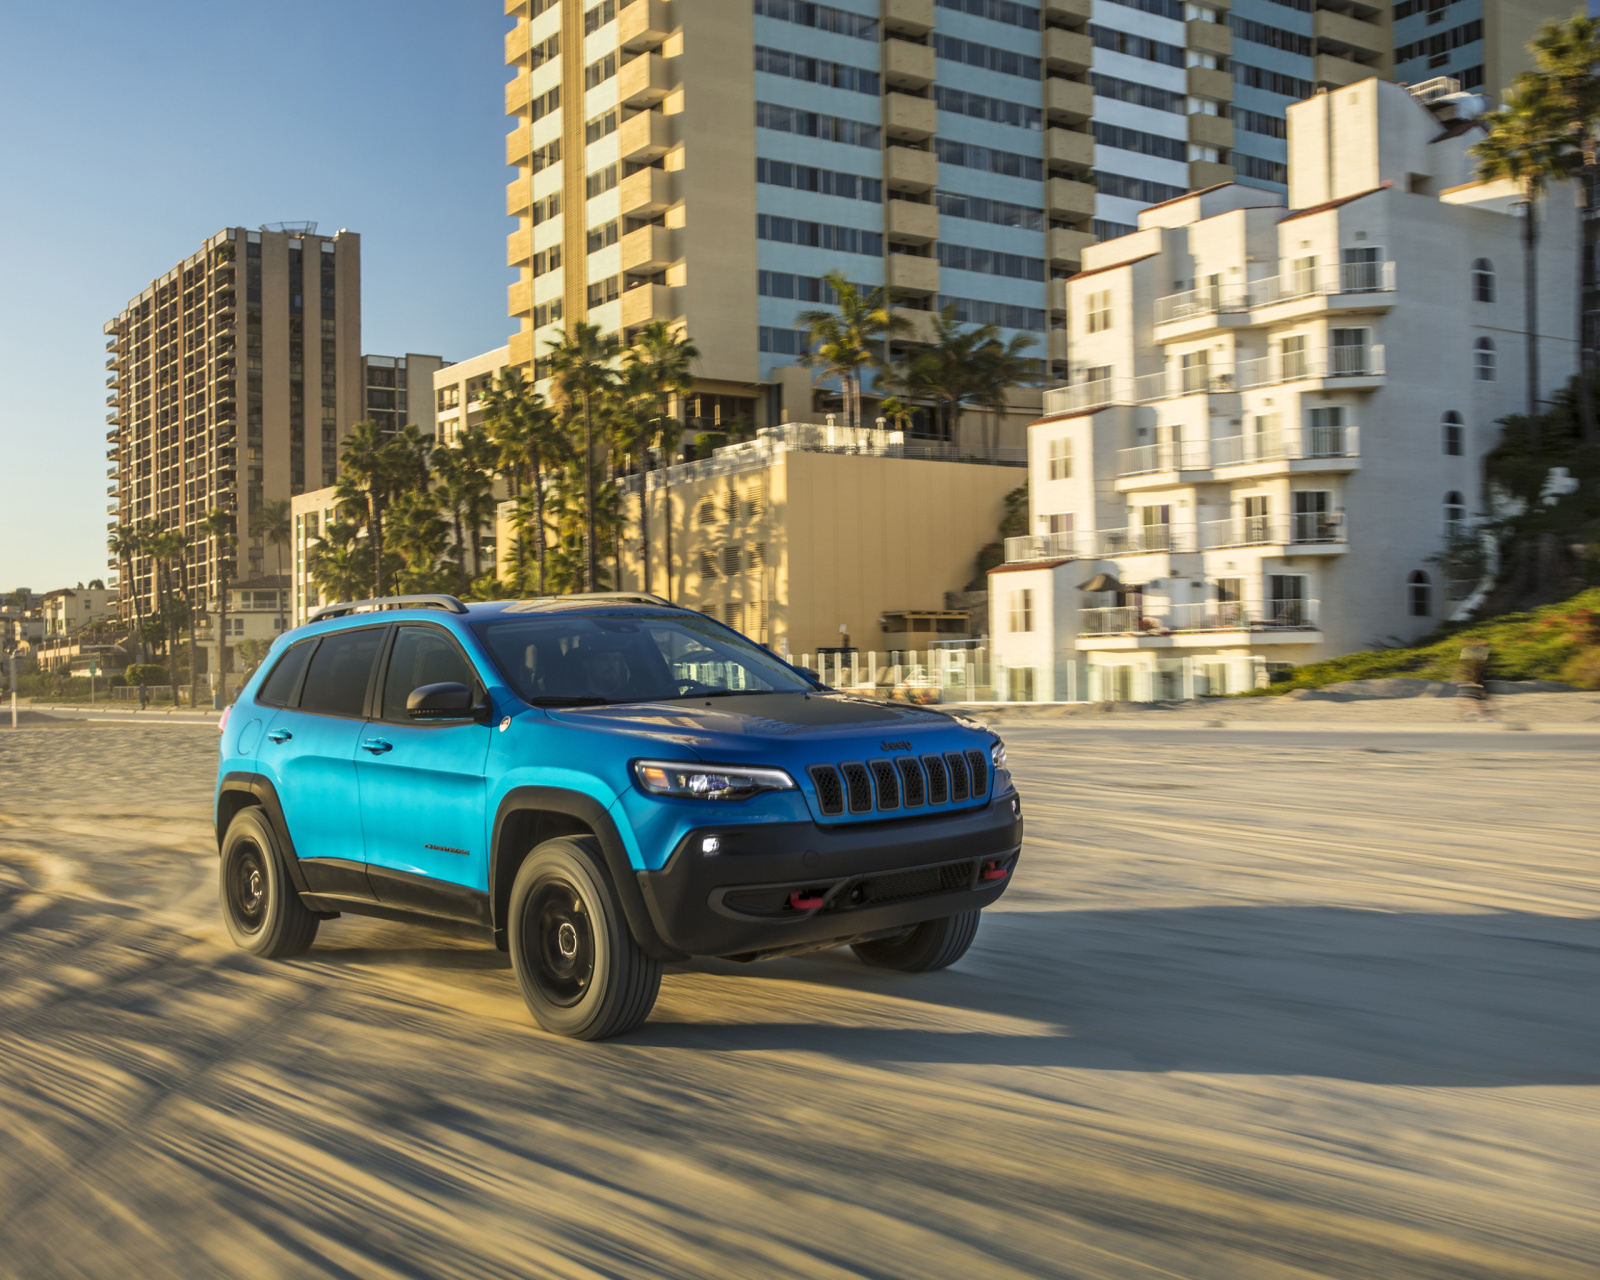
(784,886)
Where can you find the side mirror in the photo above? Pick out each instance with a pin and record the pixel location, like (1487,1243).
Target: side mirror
(447,701)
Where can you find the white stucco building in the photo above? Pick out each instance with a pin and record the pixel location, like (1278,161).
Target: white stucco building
(1277,414)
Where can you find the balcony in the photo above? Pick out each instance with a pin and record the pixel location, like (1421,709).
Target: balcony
(1360,366)
(1069,147)
(1319,448)
(645,193)
(1068,50)
(908,221)
(519,144)
(1203,82)
(908,168)
(908,15)
(1070,11)
(644,81)
(1300,531)
(519,91)
(1140,540)
(1206,616)
(907,117)
(646,136)
(111,362)
(647,249)
(642,25)
(1080,397)
(1041,546)
(1068,101)
(519,247)
(1171,456)
(646,302)
(111,343)
(1349,286)
(911,274)
(1068,199)
(907,64)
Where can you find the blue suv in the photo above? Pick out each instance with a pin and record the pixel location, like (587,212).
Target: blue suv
(602,783)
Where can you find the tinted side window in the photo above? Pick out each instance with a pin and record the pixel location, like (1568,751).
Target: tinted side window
(336,684)
(277,687)
(422,655)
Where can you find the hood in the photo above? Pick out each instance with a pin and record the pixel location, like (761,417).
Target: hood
(758,725)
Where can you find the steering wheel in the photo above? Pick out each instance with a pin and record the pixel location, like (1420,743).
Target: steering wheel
(686,687)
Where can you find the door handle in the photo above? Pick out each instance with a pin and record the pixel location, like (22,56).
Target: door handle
(279,735)
(377,746)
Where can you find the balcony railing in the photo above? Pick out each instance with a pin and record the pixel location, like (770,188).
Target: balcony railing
(1143,539)
(1208,615)
(1363,361)
(1269,446)
(1251,531)
(1349,277)
(1174,455)
(1091,394)
(1041,546)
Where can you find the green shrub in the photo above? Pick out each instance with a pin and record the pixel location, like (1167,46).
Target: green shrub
(1583,669)
(146,673)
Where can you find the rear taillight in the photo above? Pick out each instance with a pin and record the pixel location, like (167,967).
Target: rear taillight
(222,724)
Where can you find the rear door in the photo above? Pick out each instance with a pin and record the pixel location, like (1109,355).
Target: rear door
(422,782)
(310,749)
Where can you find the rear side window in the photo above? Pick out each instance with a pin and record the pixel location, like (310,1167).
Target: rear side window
(422,655)
(277,687)
(336,683)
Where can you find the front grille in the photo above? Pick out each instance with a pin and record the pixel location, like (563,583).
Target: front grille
(830,791)
(958,775)
(911,788)
(888,782)
(978,762)
(938,780)
(900,885)
(859,785)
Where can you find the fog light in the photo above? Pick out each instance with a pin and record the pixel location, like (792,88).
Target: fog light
(710,845)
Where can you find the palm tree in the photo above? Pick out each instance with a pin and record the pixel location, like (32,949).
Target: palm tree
(945,369)
(367,474)
(662,359)
(414,529)
(1528,143)
(466,493)
(165,546)
(271,523)
(339,564)
(999,367)
(844,341)
(412,453)
(506,423)
(632,425)
(127,544)
(1567,54)
(218,526)
(581,362)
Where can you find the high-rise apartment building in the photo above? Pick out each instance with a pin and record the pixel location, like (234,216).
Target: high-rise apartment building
(1482,44)
(233,377)
(397,390)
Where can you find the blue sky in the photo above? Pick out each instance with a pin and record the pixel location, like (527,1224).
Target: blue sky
(132,131)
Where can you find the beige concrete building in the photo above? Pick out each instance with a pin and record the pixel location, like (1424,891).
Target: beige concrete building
(809,529)
(232,380)
(458,389)
(258,610)
(397,390)
(1480,44)
(70,609)
(1278,414)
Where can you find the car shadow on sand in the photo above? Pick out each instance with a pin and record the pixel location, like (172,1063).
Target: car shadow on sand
(1405,998)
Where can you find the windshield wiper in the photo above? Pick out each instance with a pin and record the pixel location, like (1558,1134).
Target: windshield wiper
(566,700)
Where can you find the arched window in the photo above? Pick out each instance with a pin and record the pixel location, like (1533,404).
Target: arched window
(1482,280)
(1420,595)
(1455,515)
(1454,434)
(1483,359)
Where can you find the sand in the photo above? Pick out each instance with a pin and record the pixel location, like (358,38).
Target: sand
(1259,1005)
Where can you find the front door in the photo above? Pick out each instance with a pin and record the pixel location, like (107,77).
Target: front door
(422,782)
(309,752)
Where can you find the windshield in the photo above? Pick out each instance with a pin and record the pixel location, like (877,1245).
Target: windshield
(555,661)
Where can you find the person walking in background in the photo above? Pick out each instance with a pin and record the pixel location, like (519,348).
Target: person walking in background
(1471,683)
(144,695)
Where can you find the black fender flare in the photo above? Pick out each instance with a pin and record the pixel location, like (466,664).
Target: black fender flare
(594,815)
(262,793)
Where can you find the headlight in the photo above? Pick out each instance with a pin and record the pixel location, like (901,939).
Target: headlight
(997,753)
(708,782)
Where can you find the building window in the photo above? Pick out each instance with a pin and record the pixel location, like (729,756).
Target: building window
(1419,592)
(1061,459)
(1482,280)
(1454,434)
(1294,356)
(1022,610)
(1455,515)
(1060,522)
(1100,311)
(1483,359)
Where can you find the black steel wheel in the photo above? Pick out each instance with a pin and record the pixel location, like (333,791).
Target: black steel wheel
(580,970)
(263,912)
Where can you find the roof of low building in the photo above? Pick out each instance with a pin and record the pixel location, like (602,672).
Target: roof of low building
(1334,204)
(1031,564)
(1094,271)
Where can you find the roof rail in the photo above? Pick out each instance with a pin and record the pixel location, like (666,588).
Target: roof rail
(388,602)
(619,597)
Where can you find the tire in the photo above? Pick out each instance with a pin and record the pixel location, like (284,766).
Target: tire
(260,906)
(934,944)
(580,970)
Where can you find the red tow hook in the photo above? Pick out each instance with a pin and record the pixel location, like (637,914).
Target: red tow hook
(992,870)
(801,901)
